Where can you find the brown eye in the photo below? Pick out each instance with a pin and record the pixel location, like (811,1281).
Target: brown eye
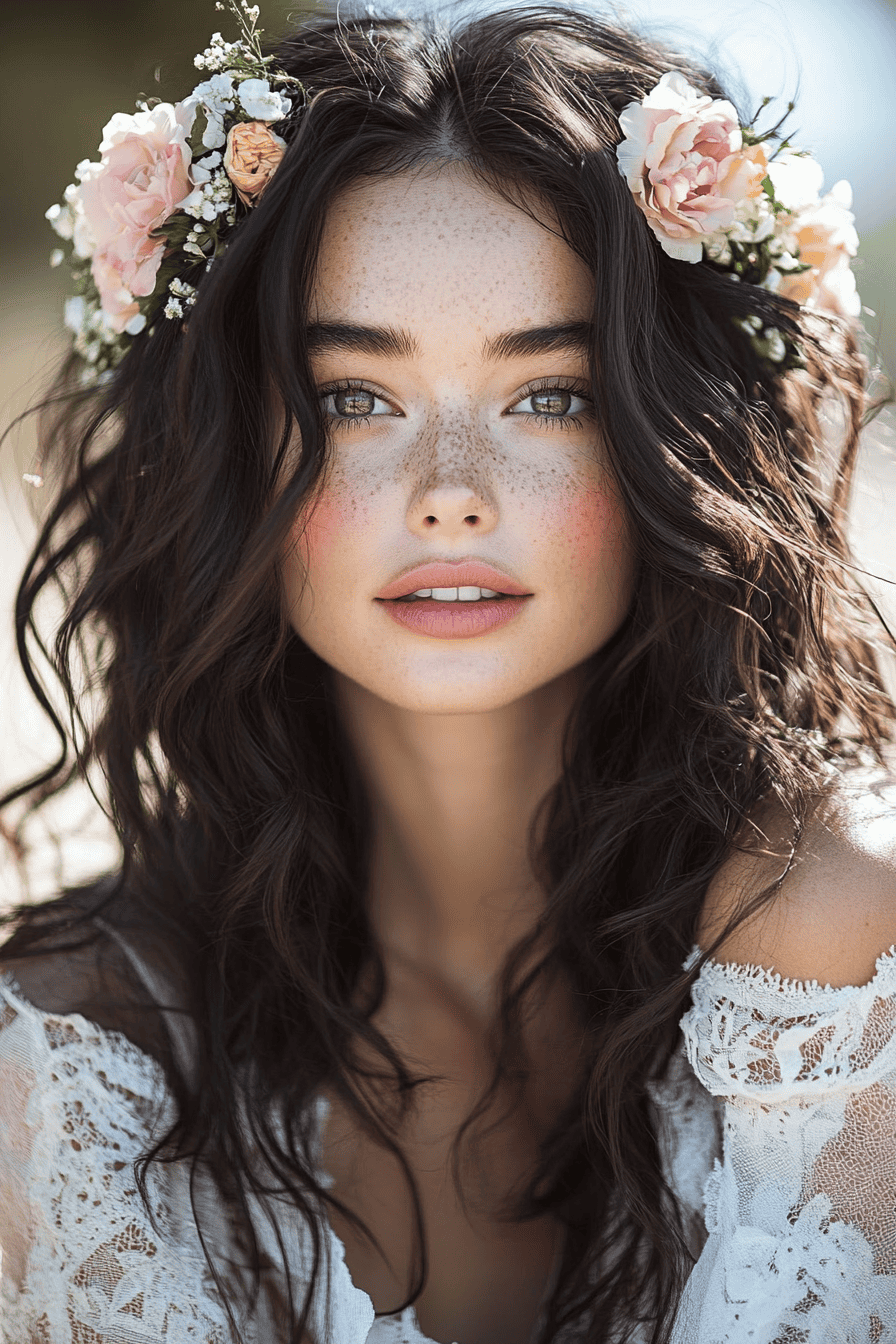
(353,401)
(553,401)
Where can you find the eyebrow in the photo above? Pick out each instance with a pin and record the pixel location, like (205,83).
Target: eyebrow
(394,343)
(567,336)
(386,341)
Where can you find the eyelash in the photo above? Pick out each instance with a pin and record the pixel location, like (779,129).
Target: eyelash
(564,422)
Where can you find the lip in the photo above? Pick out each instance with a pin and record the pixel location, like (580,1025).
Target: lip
(455,620)
(452,574)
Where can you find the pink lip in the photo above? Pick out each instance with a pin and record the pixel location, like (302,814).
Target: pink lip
(456,574)
(455,620)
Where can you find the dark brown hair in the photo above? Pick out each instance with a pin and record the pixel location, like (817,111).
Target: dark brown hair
(244,831)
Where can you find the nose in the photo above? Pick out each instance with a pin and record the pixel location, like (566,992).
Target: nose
(451,510)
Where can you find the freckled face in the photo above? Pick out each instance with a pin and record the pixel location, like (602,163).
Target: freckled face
(448,445)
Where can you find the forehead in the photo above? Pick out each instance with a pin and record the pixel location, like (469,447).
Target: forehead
(439,251)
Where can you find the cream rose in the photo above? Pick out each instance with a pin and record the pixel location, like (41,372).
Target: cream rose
(252,157)
(142,178)
(824,238)
(686,165)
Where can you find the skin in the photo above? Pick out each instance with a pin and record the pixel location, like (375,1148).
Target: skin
(457,740)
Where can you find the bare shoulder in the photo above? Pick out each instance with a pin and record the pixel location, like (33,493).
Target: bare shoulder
(835,911)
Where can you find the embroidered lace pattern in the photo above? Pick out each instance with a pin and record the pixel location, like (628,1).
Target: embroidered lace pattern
(801,1211)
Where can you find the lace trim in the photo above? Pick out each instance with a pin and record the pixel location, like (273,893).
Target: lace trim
(753,1034)
(732,973)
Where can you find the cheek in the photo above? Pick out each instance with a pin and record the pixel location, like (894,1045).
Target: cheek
(319,545)
(323,533)
(588,527)
(328,539)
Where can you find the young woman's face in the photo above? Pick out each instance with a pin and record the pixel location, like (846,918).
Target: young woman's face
(448,342)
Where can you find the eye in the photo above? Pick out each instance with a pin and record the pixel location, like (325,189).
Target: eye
(551,403)
(354,403)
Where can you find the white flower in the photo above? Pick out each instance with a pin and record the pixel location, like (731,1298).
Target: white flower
(217,54)
(61,220)
(209,199)
(261,103)
(213,136)
(136,325)
(74,313)
(216,94)
(797,180)
(201,170)
(57,257)
(192,204)
(174,308)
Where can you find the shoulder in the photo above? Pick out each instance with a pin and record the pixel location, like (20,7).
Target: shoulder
(65,963)
(834,913)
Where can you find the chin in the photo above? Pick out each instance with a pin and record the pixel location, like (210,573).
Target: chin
(441,686)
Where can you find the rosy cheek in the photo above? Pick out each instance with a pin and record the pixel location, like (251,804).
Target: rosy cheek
(588,523)
(324,530)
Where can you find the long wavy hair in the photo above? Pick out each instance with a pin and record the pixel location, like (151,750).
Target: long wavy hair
(244,830)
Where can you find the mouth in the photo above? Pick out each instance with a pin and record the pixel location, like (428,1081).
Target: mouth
(453,581)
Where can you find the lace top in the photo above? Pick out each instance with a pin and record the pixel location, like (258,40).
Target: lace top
(800,1200)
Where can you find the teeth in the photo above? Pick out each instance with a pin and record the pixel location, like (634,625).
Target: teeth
(467,594)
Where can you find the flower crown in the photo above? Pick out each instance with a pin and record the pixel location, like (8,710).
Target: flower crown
(712,189)
(148,219)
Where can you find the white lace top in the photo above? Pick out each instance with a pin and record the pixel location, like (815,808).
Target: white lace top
(800,1202)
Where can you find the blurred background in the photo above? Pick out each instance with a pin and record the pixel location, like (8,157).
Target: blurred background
(67,65)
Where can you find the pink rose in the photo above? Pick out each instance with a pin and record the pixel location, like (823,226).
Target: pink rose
(825,239)
(142,178)
(686,165)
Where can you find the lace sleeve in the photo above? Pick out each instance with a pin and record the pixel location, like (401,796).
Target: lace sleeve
(801,1211)
(82,1261)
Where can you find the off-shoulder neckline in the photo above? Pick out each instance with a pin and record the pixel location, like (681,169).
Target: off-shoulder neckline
(740,973)
(754,974)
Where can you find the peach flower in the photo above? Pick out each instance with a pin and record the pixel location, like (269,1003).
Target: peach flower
(686,165)
(251,158)
(142,178)
(824,238)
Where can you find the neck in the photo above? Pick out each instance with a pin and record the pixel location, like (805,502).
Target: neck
(453,797)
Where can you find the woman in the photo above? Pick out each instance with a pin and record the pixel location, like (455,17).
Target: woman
(463,576)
